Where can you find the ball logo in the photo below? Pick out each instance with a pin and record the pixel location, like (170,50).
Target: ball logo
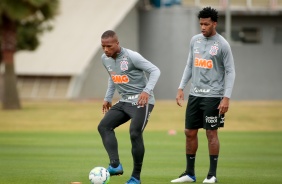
(120,79)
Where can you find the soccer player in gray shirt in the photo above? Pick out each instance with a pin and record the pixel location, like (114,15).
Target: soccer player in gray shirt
(210,67)
(127,70)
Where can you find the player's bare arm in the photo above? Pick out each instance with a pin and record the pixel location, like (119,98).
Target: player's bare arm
(224,105)
(106,106)
(143,98)
(179,97)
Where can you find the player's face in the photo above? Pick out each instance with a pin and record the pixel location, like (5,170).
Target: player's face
(110,46)
(207,27)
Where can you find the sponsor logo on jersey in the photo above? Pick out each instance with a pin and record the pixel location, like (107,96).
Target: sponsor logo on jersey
(133,97)
(222,119)
(196,50)
(211,119)
(198,55)
(149,114)
(119,79)
(124,64)
(216,43)
(199,40)
(203,63)
(109,68)
(197,90)
(213,50)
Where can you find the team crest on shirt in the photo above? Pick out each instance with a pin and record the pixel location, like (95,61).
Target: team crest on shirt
(124,64)
(213,50)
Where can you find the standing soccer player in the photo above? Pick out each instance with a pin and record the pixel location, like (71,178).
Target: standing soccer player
(210,67)
(126,69)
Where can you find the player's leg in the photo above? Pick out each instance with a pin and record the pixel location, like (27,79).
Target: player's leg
(191,149)
(140,116)
(112,119)
(212,121)
(193,122)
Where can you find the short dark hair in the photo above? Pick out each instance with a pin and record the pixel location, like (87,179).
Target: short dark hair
(208,12)
(108,33)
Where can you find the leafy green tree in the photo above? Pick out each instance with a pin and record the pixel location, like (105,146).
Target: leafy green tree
(21,22)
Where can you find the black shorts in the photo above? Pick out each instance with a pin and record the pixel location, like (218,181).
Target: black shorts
(121,112)
(202,112)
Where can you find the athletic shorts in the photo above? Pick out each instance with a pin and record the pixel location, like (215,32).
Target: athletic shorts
(202,112)
(121,112)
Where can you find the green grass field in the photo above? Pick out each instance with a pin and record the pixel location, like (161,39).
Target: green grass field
(57,143)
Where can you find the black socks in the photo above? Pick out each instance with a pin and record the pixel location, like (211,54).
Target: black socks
(190,159)
(190,165)
(213,166)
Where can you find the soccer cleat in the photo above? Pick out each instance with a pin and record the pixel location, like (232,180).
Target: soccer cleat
(115,171)
(211,180)
(133,180)
(184,177)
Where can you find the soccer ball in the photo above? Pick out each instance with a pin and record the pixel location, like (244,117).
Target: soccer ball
(99,175)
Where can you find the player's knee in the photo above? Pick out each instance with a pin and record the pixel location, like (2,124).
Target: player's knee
(135,134)
(212,136)
(102,127)
(190,134)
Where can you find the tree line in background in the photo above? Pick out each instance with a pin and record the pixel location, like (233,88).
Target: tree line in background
(21,23)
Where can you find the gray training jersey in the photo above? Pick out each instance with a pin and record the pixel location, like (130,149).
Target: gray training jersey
(128,78)
(210,65)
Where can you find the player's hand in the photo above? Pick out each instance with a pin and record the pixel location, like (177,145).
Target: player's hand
(224,105)
(143,99)
(179,97)
(106,106)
